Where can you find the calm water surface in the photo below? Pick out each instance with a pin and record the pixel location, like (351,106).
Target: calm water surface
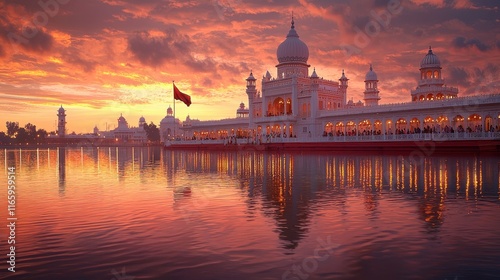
(144,213)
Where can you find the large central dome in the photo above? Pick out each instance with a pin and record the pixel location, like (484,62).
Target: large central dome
(292,49)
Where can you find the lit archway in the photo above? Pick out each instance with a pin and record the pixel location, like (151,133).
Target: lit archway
(401,125)
(429,122)
(329,127)
(414,125)
(474,121)
(443,122)
(279,106)
(458,123)
(339,128)
(351,128)
(364,126)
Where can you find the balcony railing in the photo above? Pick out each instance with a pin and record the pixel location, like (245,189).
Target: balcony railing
(355,138)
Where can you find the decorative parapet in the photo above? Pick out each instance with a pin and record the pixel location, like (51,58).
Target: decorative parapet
(430,82)
(434,89)
(407,106)
(283,118)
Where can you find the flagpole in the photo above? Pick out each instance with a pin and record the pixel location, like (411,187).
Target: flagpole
(173,95)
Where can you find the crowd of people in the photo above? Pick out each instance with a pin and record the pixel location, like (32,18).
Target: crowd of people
(416,130)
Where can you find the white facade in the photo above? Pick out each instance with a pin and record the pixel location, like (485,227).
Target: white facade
(298,105)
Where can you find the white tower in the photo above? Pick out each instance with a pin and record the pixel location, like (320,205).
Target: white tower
(251,92)
(371,88)
(343,87)
(61,122)
(142,121)
(431,85)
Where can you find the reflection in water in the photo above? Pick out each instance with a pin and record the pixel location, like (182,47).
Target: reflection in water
(61,168)
(291,185)
(187,212)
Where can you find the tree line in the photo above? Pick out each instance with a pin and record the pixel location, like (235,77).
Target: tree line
(27,134)
(16,134)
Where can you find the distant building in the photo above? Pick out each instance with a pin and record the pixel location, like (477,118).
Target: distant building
(125,134)
(169,126)
(61,122)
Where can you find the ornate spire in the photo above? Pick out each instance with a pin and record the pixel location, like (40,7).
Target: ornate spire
(371,68)
(293,23)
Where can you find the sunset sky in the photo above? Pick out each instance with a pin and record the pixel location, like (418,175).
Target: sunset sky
(101,58)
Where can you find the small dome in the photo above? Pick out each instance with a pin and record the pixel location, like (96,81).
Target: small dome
(268,75)
(170,111)
(142,119)
(251,77)
(343,76)
(371,75)
(430,60)
(121,119)
(61,109)
(292,49)
(242,105)
(314,75)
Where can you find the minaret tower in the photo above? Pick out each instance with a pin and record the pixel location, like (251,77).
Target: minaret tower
(371,88)
(61,122)
(343,87)
(252,93)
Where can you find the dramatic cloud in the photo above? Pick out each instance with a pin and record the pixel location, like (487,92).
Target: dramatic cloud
(461,42)
(156,50)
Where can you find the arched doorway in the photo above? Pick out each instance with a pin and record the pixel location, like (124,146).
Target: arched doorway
(365,127)
(339,128)
(475,124)
(443,124)
(428,124)
(401,126)
(351,128)
(328,129)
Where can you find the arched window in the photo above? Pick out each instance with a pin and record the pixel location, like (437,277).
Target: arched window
(279,106)
(436,74)
(339,128)
(401,125)
(329,127)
